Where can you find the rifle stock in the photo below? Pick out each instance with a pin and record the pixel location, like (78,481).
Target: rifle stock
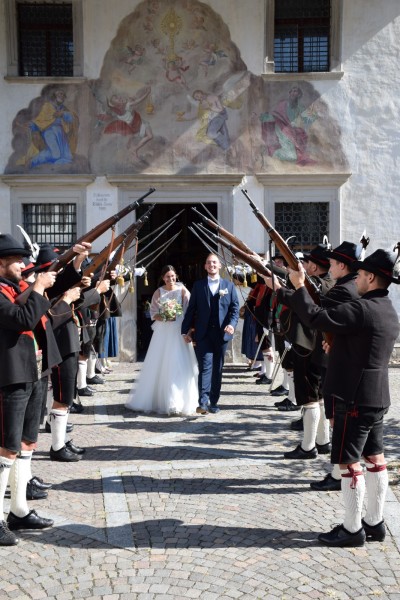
(136,227)
(249,259)
(97,231)
(237,243)
(289,256)
(291,259)
(92,235)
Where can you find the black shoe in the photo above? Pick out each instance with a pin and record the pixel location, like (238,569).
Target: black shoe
(299,453)
(324,448)
(64,455)
(94,380)
(75,449)
(213,409)
(47,427)
(374,533)
(85,392)
(328,484)
(7,537)
(76,408)
(339,537)
(39,483)
(30,521)
(34,493)
(286,405)
(297,425)
(279,391)
(263,380)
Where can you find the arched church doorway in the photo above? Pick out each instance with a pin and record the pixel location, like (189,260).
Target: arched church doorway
(186,253)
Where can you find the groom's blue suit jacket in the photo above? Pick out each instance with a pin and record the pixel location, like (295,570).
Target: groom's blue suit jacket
(198,311)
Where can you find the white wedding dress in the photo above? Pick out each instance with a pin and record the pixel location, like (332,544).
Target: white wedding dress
(168,380)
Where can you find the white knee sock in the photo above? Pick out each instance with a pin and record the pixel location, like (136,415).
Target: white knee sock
(335,473)
(269,362)
(285,380)
(323,426)
(19,477)
(49,403)
(91,366)
(5,468)
(353,491)
(291,394)
(81,378)
(58,421)
(310,424)
(377,483)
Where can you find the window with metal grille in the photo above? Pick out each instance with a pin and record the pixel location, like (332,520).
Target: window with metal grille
(307,221)
(302,35)
(53,224)
(45,39)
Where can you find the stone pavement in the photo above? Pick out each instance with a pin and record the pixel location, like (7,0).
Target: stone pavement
(202,507)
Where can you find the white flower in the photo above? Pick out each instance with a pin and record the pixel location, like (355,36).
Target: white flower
(223,292)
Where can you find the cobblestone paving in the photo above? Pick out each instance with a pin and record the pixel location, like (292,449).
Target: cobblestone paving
(202,507)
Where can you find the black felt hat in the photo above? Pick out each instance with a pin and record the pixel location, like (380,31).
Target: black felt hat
(47,255)
(346,253)
(318,256)
(9,246)
(381,262)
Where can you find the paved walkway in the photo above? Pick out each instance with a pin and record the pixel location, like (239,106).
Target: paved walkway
(202,507)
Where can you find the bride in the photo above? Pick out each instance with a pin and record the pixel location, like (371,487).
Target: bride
(168,379)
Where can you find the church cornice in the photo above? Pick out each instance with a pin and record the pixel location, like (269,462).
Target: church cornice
(47,180)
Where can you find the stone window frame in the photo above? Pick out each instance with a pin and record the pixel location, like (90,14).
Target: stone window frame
(12,41)
(318,191)
(335,42)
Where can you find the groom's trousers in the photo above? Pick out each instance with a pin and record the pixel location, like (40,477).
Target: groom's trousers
(210,353)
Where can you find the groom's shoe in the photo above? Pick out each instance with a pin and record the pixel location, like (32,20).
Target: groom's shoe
(213,409)
(202,409)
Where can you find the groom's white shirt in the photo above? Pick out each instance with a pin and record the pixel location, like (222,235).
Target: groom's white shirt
(213,284)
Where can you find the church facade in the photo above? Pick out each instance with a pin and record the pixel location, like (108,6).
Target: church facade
(295,102)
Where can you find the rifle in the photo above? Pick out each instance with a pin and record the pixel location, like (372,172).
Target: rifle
(92,235)
(290,257)
(96,232)
(250,259)
(237,243)
(118,256)
(121,240)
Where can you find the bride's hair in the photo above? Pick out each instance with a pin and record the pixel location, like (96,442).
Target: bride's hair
(166,269)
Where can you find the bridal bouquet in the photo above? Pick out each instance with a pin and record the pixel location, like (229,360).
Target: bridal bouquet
(170,309)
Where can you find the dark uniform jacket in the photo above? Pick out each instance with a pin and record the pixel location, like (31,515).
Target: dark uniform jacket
(65,322)
(365,331)
(296,331)
(344,290)
(17,349)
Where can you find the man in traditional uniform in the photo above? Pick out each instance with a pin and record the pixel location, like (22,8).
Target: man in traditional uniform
(344,290)
(27,351)
(356,390)
(307,375)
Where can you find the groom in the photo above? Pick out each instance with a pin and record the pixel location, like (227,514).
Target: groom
(214,309)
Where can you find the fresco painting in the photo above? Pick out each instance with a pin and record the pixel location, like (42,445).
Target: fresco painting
(175,97)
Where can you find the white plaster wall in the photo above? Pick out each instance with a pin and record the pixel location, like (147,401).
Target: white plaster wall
(366,104)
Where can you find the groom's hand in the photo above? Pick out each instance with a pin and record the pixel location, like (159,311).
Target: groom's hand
(187,338)
(229,329)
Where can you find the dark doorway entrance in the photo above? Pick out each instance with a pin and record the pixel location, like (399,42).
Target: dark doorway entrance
(187,254)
